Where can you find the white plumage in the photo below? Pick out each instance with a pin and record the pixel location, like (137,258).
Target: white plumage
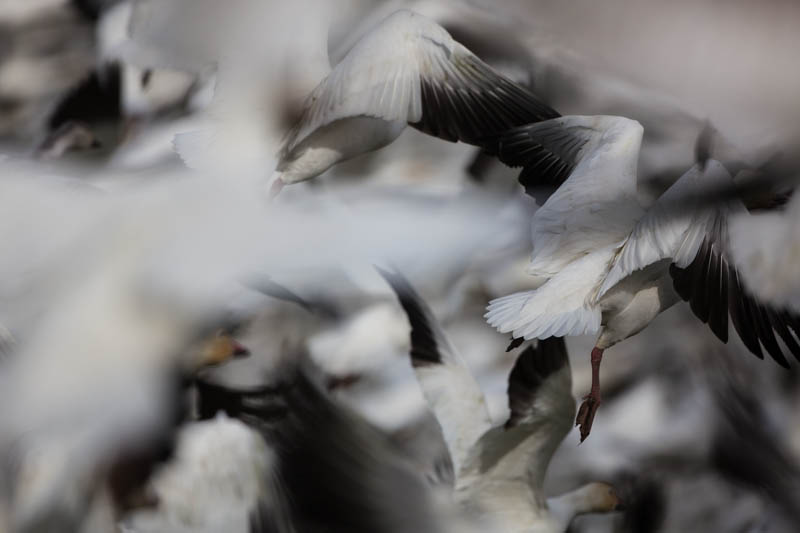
(407,70)
(220,473)
(610,265)
(500,471)
(576,231)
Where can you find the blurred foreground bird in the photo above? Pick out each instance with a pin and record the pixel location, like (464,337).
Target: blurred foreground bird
(748,449)
(331,470)
(608,263)
(84,471)
(500,470)
(110,289)
(217,477)
(406,71)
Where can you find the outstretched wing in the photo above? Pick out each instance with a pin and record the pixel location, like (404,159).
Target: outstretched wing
(596,206)
(335,472)
(694,235)
(450,390)
(538,389)
(542,412)
(712,286)
(410,69)
(550,151)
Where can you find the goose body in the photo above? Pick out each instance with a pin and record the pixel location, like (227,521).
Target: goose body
(406,71)
(611,265)
(499,470)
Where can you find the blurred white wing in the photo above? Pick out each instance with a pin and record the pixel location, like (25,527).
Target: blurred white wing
(409,69)
(596,206)
(452,393)
(673,227)
(694,238)
(542,409)
(561,306)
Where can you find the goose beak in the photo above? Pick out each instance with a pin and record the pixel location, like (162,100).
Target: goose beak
(221,348)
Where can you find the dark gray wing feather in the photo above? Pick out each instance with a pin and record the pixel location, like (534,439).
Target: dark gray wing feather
(531,370)
(428,344)
(476,103)
(712,286)
(548,151)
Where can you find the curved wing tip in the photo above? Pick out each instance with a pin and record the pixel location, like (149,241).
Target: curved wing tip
(532,370)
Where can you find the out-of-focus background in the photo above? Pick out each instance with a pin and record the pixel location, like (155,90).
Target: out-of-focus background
(135,138)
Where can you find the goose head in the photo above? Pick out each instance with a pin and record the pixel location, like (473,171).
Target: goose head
(600,498)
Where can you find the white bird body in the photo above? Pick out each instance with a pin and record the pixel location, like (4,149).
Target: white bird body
(612,266)
(603,255)
(635,302)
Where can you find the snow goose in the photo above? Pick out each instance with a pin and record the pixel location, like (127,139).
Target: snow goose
(500,470)
(361,482)
(406,71)
(122,440)
(609,264)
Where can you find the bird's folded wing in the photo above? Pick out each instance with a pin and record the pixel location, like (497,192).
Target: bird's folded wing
(450,390)
(410,69)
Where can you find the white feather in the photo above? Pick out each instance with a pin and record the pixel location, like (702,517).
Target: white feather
(597,205)
(673,227)
(564,305)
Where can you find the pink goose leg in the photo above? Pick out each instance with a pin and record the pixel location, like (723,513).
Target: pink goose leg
(592,400)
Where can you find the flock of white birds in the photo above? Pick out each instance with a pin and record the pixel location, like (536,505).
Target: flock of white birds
(238,293)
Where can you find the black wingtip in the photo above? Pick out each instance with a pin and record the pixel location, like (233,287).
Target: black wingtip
(715,291)
(704,145)
(280,292)
(400,285)
(424,348)
(515,343)
(645,503)
(528,147)
(361,482)
(531,370)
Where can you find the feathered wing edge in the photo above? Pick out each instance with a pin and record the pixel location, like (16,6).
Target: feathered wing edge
(565,305)
(452,393)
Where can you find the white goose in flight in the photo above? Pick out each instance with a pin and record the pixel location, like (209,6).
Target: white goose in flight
(406,71)
(500,470)
(608,264)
